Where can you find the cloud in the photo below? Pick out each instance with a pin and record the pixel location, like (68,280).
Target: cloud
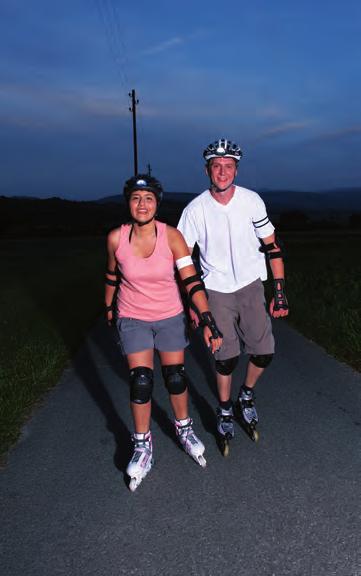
(21,121)
(40,106)
(281,129)
(339,134)
(104,106)
(163,46)
(271,111)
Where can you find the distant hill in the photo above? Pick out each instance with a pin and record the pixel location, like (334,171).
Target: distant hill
(181,197)
(20,216)
(24,216)
(338,200)
(341,200)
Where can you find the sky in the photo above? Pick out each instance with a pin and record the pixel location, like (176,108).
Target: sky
(281,78)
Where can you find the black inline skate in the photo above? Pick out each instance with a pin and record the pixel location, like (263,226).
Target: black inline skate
(225,428)
(247,414)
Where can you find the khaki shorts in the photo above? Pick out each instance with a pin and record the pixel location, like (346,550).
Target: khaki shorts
(241,316)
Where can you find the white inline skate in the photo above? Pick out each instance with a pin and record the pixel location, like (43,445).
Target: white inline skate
(190,442)
(142,459)
(225,428)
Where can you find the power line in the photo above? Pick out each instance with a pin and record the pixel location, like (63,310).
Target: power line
(111,20)
(112,33)
(117,21)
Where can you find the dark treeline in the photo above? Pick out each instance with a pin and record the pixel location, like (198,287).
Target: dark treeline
(22,217)
(55,217)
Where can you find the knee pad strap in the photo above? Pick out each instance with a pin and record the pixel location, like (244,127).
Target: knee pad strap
(261,360)
(141,384)
(174,378)
(226,367)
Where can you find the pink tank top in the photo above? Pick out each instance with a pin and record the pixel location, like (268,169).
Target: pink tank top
(148,289)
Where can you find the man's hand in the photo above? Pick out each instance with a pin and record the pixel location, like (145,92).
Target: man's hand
(213,344)
(279,305)
(277,313)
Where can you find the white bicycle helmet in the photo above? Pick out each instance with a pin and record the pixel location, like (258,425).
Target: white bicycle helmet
(222,148)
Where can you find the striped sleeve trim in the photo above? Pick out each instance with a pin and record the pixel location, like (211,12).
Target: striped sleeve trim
(261,223)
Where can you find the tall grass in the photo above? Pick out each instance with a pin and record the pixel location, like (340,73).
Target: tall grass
(50,295)
(324,287)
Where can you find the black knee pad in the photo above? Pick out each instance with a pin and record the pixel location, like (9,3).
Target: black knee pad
(226,367)
(141,384)
(261,360)
(174,378)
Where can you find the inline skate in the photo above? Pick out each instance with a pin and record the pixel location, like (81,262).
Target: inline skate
(225,429)
(189,441)
(142,459)
(247,413)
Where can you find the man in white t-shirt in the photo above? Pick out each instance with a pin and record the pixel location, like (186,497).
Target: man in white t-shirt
(234,235)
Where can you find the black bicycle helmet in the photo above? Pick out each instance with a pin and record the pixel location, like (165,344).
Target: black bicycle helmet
(143,182)
(222,148)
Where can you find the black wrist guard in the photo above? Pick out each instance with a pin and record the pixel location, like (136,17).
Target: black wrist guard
(266,249)
(109,308)
(279,294)
(111,282)
(206,319)
(196,287)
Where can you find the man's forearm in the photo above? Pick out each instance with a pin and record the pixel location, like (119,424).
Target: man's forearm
(277,268)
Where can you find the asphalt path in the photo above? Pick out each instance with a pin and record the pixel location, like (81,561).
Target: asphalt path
(288,505)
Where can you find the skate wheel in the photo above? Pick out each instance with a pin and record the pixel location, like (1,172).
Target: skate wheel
(225,449)
(255,436)
(202,461)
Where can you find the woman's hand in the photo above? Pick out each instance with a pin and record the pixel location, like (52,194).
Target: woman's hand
(109,317)
(194,319)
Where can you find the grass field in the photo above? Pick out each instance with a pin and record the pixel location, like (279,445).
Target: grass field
(52,292)
(324,288)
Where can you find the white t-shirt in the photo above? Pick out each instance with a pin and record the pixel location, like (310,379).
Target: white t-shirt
(228,238)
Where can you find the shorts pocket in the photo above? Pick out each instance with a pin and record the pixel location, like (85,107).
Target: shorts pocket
(125,324)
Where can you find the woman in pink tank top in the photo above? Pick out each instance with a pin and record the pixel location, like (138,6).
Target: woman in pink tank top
(147,307)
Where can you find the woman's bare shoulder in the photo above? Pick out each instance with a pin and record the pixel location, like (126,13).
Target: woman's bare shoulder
(114,237)
(174,234)
(176,242)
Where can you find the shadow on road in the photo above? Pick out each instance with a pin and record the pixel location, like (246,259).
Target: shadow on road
(202,358)
(87,370)
(105,341)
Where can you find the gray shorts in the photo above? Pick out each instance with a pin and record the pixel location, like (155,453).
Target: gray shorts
(242,315)
(169,335)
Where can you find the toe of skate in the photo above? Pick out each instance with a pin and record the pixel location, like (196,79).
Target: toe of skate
(133,484)
(201,460)
(138,478)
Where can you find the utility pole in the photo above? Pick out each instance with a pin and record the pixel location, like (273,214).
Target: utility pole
(133,110)
(149,169)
